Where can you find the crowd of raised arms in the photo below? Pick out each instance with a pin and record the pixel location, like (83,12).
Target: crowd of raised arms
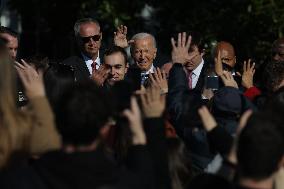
(110,119)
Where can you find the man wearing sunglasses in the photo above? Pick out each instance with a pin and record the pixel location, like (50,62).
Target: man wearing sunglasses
(88,37)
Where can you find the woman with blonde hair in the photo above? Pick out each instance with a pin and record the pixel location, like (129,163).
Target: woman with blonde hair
(30,131)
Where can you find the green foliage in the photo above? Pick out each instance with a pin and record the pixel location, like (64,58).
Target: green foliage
(251,25)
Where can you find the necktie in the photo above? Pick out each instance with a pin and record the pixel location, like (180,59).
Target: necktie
(190,80)
(93,65)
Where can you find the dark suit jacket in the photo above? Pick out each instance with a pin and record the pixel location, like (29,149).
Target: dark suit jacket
(80,68)
(182,105)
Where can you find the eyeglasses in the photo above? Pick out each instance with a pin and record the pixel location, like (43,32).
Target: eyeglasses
(87,39)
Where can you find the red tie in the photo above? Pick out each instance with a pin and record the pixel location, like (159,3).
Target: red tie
(93,65)
(190,80)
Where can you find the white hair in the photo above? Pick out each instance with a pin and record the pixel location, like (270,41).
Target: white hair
(83,21)
(144,35)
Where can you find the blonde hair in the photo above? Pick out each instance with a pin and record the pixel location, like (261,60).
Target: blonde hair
(14,127)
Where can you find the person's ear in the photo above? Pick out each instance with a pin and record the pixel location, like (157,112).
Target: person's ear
(155,53)
(202,53)
(126,67)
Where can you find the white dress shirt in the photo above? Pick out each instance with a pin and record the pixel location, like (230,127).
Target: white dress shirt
(89,62)
(196,73)
(143,74)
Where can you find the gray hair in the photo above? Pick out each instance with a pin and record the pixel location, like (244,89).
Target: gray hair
(142,36)
(83,21)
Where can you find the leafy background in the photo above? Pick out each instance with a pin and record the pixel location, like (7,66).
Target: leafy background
(250,25)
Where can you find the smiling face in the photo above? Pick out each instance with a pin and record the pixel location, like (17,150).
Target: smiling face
(144,53)
(118,67)
(89,47)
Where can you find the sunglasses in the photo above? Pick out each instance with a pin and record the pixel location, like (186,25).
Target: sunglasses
(87,39)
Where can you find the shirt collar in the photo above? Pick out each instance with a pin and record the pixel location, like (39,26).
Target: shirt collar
(198,69)
(151,70)
(88,60)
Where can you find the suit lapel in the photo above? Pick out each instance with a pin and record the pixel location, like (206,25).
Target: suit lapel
(81,65)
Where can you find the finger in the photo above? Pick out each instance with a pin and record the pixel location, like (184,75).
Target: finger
(245,66)
(218,64)
(192,56)
(230,76)
(248,64)
(253,71)
(156,75)
(164,75)
(179,40)
(19,65)
(128,114)
(252,67)
(153,81)
(131,41)
(114,33)
(188,42)
(159,74)
(239,74)
(173,43)
(223,77)
(119,29)
(243,120)
(134,106)
(124,30)
(25,63)
(183,39)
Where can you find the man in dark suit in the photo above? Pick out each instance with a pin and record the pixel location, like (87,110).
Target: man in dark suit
(88,37)
(186,83)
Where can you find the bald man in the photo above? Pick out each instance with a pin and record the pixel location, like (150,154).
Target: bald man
(278,50)
(227,52)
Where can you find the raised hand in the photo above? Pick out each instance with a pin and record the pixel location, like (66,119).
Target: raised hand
(218,64)
(120,37)
(159,79)
(135,123)
(153,103)
(100,75)
(207,119)
(180,49)
(229,80)
(248,73)
(32,80)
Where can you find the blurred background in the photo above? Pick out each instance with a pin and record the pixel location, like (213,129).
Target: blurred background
(46,26)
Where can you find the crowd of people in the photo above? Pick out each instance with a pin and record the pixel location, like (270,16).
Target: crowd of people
(105,119)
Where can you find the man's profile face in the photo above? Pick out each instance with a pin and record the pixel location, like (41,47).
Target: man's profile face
(118,67)
(195,61)
(144,53)
(89,39)
(278,50)
(12,44)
